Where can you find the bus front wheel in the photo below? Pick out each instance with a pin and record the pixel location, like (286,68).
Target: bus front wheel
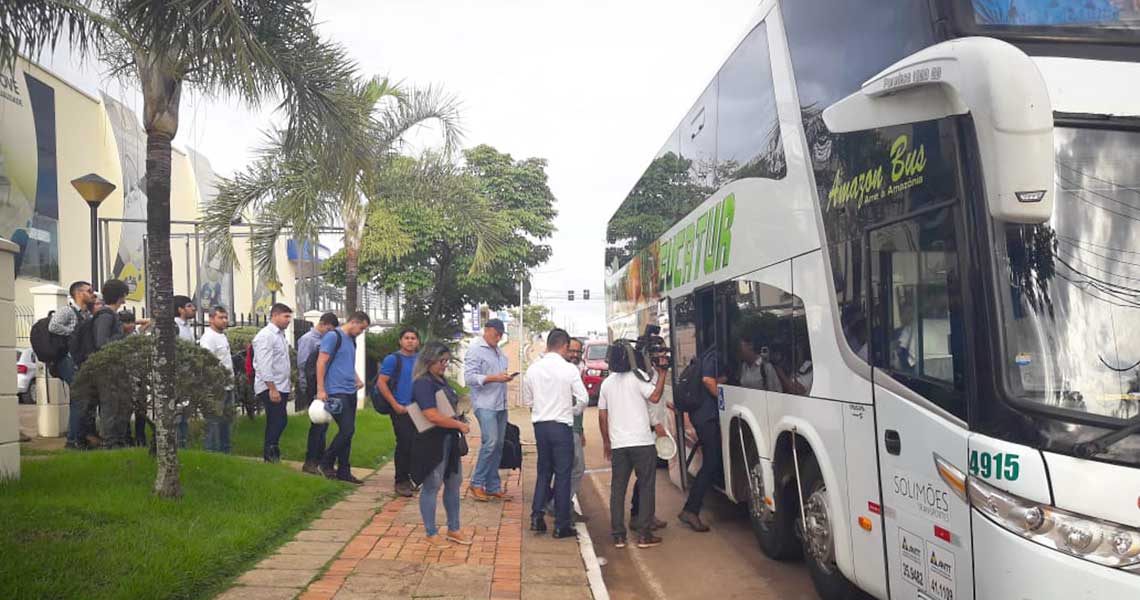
(817,533)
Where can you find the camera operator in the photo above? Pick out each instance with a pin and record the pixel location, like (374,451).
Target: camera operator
(627,425)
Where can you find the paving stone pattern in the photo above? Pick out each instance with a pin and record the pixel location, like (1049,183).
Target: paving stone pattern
(374,547)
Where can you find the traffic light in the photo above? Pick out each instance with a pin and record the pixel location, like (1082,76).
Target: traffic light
(585,294)
(570,295)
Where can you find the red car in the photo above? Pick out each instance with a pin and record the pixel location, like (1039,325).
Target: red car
(595,368)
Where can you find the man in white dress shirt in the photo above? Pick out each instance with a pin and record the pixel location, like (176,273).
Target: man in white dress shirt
(553,388)
(214,339)
(271,381)
(184,317)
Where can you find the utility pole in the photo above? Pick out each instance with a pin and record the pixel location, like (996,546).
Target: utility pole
(521,352)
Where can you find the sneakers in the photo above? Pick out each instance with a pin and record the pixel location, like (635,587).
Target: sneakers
(648,541)
(405,489)
(693,521)
(538,524)
(619,541)
(457,537)
(327,471)
(564,532)
(479,494)
(438,541)
(310,467)
(658,524)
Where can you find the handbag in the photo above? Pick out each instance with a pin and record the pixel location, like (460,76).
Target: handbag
(461,446)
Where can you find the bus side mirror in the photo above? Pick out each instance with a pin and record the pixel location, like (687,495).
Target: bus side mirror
(995,83)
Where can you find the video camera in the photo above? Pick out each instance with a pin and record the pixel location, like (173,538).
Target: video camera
(650,350)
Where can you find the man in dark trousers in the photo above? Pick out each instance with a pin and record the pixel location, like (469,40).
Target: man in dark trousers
(337,382)
(272,380)
(706,422)
(307,347)
(553,389)
(395,383)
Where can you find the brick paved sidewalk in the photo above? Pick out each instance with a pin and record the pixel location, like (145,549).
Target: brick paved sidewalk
(385,554)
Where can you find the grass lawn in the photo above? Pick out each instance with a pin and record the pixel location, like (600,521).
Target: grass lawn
(86,525)
(373,442)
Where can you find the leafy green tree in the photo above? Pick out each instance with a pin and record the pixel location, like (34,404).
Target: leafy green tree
(536,317)
(666,192)
(249,50)
(299,192)
(470,233)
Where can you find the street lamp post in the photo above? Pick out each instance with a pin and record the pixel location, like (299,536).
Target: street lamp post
(94,190)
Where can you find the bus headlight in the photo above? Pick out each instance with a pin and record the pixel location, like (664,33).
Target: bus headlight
(1084,537)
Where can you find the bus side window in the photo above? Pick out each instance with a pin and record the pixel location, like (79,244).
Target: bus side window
(767,338)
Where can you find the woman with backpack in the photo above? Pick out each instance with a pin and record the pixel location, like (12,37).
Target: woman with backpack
(439,445)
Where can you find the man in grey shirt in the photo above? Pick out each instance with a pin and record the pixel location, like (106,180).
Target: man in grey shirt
(63,322)
(308,346)
(105,328)
(271,382)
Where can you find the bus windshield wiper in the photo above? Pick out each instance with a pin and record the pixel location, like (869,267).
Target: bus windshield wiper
(1098,445)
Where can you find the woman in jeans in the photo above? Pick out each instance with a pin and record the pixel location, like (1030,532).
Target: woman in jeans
(435,453)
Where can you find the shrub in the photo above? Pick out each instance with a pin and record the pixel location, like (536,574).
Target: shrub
(120,374)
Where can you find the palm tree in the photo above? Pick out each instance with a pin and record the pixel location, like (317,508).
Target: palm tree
(322,185)
(250,50)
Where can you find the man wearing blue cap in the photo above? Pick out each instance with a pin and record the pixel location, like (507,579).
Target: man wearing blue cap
(485,372)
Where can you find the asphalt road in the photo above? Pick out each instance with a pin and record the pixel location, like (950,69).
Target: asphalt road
(725,562)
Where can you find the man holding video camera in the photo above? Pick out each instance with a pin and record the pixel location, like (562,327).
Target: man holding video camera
(628,437)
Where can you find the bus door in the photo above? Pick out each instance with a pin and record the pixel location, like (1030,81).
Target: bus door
(915,332)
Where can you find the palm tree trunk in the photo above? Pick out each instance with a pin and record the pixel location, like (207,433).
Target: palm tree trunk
(438,292)
(161,98)
(352,235)
(351,273)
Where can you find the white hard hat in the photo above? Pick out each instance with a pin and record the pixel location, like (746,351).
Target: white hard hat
(666,447)
(318,414)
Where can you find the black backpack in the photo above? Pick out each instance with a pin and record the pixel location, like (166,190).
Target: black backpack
(689,393)
(512,448)
(81,345)
(309,370)
(49,347)
(379,402)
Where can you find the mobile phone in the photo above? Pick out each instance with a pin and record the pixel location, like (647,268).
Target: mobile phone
(515,374)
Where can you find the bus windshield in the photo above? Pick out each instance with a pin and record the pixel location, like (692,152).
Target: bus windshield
(1069,290)
(1044,14)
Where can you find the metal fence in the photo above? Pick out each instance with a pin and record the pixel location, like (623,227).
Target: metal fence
(25,318)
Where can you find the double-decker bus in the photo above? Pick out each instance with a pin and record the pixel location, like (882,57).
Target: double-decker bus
(909,232)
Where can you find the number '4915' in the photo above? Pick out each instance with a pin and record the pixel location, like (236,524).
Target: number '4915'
(994,466)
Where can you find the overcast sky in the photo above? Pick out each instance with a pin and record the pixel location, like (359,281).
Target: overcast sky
(593,86)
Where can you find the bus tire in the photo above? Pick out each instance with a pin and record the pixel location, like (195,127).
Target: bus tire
(774,530)
(818,538)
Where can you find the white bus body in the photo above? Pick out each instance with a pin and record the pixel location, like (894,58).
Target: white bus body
(868,240)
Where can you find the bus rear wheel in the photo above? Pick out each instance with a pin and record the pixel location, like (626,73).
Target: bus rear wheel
(817,533)
(774,530)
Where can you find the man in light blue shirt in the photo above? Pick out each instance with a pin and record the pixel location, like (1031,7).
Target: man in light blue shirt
(485,372)
(337,380)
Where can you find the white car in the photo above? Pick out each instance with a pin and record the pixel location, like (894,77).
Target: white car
(26,368)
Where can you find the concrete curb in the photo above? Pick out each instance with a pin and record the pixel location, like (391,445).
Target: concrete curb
(590,557)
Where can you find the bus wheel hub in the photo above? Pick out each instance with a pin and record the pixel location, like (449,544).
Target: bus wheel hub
(817,528)
(756,505)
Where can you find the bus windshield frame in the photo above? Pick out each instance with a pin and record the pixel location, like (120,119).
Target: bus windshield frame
(963,22)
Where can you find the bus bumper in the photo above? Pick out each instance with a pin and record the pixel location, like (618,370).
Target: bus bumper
(1008,566)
